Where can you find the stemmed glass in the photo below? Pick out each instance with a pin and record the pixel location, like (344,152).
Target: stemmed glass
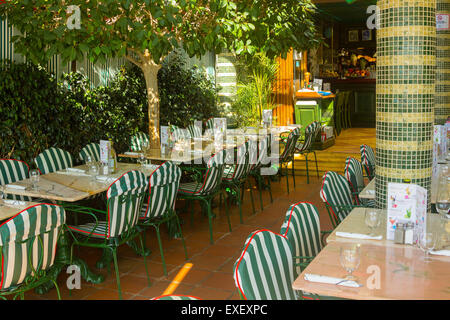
(142,159)
(350,257)
(427,242)
(93,170)
(34,177)
(372,220)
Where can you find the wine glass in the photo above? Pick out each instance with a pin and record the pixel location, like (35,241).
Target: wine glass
(443,193)
(372,220)
(93,170)
(350,257)
(34,177)
(427,242)
(142,159)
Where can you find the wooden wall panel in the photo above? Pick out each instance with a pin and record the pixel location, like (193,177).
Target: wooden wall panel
(283,90)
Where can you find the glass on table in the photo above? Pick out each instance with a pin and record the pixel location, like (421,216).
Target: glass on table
(93,169)
(350,257)
(34,178)
(2,193)
(427,242)
(372,219)
(443,193)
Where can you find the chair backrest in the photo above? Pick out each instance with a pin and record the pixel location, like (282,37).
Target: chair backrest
(263,149)
(336,195)
(91,150)
(291,142)
(28,243)
(137,140)
(210,124)
(180,133)
(241,165)
(162,190)
(214,173)
(195,131)
(124,202)
(368,160)
(353,172)
(12,170)
(53,159)
(301,227)
(311,132)
(265,269)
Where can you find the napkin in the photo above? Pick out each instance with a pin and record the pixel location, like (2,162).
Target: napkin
(73,173)
(75,170)
(15,202)
(131,153)
(371,191)
(106,178)
(358,236)
(15,186)
(331,280)
(441,253)
(150,166)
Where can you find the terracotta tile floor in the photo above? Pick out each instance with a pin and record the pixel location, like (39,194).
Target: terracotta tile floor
(211,276)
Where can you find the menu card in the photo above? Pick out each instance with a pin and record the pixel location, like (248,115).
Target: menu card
(407,203)
(105,151)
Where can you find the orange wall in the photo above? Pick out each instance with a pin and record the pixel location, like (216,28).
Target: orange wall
(283,90)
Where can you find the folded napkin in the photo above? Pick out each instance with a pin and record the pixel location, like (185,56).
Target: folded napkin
(73,173)
(358,236)
(14,202)
(441,253)
(331,280)
(106,178)
(15,186)
(128,153)
(75,170)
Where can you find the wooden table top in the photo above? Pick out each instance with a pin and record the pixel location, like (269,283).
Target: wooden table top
(354,223)
(60,186)
(401,271)
(10,210)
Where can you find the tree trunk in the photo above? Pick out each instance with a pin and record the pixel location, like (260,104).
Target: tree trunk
(151,79)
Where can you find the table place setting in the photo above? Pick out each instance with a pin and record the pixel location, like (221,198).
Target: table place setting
(74,172)
(331,280)
(13,203)
(15,186)
(358,236)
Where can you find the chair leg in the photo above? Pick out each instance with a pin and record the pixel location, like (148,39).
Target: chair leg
(258,179)
(145,260)
(208,204)
(241,218)
(116,268)
(287,178)
(158,236)
(182,237)
(317,167)
(293,170)
(270,189)
(226,210)
(251,195)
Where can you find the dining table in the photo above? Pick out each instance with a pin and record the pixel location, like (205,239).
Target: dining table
(66,187)
(387,270)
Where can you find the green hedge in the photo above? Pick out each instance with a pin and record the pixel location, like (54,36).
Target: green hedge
(38,112)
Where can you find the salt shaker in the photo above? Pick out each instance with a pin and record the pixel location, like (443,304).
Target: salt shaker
(409,233)
(399,236)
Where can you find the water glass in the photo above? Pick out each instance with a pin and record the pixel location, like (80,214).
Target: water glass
(372,220)
(34,177)
(350,257)
(93,170)
(142,160)
(427,242)
(443,193)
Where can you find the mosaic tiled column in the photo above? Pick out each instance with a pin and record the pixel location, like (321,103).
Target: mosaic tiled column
(442,99)
(406,45)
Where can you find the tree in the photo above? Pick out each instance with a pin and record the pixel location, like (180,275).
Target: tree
(145,32)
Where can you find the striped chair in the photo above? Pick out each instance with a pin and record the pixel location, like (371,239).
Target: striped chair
(179,133)
(12,170)
(53,159)
(265,269)
(305,147)
(257,169)
(353,172)
(368,160)
(91,150)
(175,297)
(301,227)
(124,204)
(160,206)
(287,156)
(28,248)
(195,131)
(137,140)
(235,176)
(206,189)
(337,196)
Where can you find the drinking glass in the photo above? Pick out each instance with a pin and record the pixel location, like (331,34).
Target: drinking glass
(350,256)
(142,159)
(427,242)
(34,177)
(145,146)
(372,220)
(443,193)
(93,170)
(2,193)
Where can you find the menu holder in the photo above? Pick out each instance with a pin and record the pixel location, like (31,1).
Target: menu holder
(105,151)
(407,203)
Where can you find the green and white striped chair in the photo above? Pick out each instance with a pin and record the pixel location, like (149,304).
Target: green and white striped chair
(12,170)
(287,156)
(305,147)
(137,140)
(206,189)
(124,204)
(337,196)
(353,172)
(53,159)
(176,297)
(195,131)
(28,248)
(368,160)
(301,227)
(160,205)
(179,133)
(265,269)
(91,150)
(235,176)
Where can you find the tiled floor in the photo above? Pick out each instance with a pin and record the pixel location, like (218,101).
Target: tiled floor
(211,276)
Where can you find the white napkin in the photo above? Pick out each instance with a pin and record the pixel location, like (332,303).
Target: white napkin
(150,166)
(108,179)
(129,153)
(441,253)
(15,186)
(357,236)
(15,202)
(72,173)
(75,170)
(371,191)
(331,280)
